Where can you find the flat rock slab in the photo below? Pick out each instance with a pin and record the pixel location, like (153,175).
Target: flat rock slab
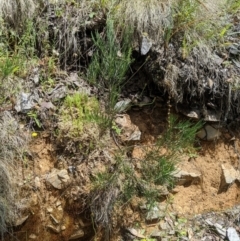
(187,173)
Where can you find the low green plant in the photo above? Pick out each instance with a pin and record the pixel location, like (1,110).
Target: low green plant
(180,135)
(233,6)
(26,45)
(159,169)
(34,116)
(78,109)
(9,65)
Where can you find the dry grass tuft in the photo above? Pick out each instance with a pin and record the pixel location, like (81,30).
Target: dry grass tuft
(13,144)
(67,36)
(150,17)
(14,12)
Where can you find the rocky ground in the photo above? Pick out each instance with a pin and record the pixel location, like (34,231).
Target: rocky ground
(202,206)
(74,147)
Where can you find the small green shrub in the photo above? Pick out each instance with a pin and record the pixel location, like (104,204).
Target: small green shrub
(159,169)
(110,62)
(9,65)
(233,6)
(180,135)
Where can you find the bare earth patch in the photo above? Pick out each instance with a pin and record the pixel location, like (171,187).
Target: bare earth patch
(208,196)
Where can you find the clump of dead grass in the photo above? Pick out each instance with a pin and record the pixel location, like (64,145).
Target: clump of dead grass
(151,17)
(66,38)
(13,144)
(15,12)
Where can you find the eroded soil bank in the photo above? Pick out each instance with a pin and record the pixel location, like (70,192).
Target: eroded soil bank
(57,214)
(96,103)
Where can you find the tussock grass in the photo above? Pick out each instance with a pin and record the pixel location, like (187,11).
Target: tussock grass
(151,17)
(13,144)
(14,12)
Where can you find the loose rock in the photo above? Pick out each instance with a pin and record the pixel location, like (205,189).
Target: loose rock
(209,133)
(154,214)
(37,182)
(232,234)
(229,176)
(129,131)
(187,174)
(57,178)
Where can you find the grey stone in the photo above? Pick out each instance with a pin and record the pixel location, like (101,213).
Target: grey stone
(57,178)
(164,226)
(171,232)
(230,174)
(49,209)
(77,234)
(63,227)
(58,92)
(217,59)
(123,105)
(154,214)
(158,234)
(207,238)
(146,44)
(58,203)
(232,234)
(209,222)
(209,133)
(129,131)
(47,105)
(194,114)
(35,76)
(26,101)
(37,182)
